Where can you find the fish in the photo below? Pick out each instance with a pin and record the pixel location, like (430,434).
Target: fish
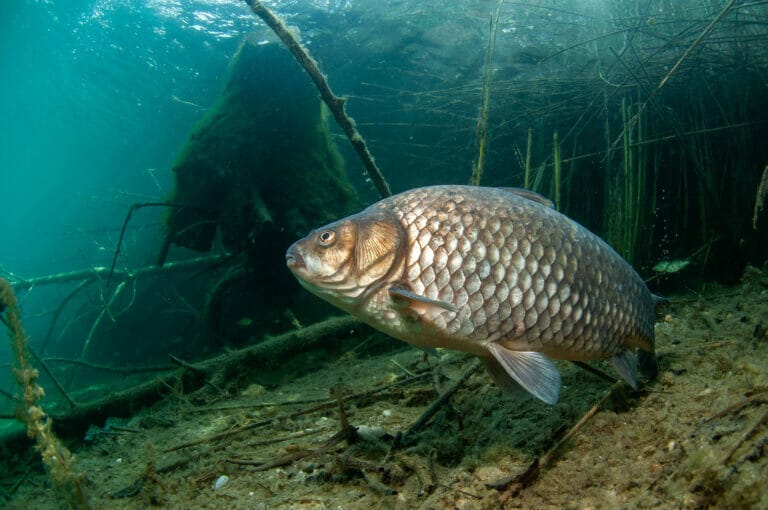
(494,272)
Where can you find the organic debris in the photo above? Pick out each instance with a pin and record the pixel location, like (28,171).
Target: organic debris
(346,434)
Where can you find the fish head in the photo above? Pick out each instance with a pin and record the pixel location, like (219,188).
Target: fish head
(340,261)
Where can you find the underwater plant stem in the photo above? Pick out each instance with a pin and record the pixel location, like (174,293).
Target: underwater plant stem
(760,196)
(640,199)
(56,457)
(558,168)
(627,217)
(527,181)
(674,69)
(482,121)
(335,103)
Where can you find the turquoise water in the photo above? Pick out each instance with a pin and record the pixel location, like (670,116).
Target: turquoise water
(96,98)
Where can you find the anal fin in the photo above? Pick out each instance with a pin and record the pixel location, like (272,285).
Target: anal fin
(625,364)
(531,370)
(501,377)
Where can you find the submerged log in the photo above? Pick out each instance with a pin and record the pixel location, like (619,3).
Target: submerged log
(213,374)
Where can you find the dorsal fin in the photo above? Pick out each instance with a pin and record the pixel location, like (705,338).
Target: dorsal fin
(530,195)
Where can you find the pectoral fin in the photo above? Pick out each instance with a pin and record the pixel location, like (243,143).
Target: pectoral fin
(420,305)
(531,370)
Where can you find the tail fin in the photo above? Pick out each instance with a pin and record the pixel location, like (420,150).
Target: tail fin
(661,304)
(647,362)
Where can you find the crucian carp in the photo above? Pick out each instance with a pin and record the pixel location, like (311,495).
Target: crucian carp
(495,272)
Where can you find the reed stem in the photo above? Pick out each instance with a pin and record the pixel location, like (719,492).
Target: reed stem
(558,168)
(527,181)
(482,122)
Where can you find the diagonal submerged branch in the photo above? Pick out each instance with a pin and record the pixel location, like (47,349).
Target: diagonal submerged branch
(335,103)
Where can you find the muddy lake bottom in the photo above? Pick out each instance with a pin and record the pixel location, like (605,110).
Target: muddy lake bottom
(694,438)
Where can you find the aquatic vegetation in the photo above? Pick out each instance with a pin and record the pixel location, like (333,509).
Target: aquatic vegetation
(482,120)
(56,457)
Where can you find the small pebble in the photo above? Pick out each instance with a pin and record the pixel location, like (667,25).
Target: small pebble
(220,482)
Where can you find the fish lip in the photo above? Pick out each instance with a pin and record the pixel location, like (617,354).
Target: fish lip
(293,258)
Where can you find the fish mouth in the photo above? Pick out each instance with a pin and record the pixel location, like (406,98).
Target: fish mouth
(293,258)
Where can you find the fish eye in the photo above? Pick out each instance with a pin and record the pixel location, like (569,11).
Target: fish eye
(326,237)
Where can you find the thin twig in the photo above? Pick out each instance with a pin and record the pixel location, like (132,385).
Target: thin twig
(59,309)
(94,273)
(184,364)
(323,405)
(134,207)
(104,311)
(441,400)
(594,371)
(109,368)
(293,456)
(401,367)
(220,435)
(513,485)
(751,432)
(756,398)
(53,378)
(266,442)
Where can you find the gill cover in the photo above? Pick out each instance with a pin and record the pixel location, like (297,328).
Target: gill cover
(380,240)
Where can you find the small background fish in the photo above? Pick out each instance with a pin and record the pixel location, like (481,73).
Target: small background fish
(493,272)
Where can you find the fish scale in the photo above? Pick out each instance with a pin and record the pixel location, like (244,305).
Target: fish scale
(494,272)
(523,257)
